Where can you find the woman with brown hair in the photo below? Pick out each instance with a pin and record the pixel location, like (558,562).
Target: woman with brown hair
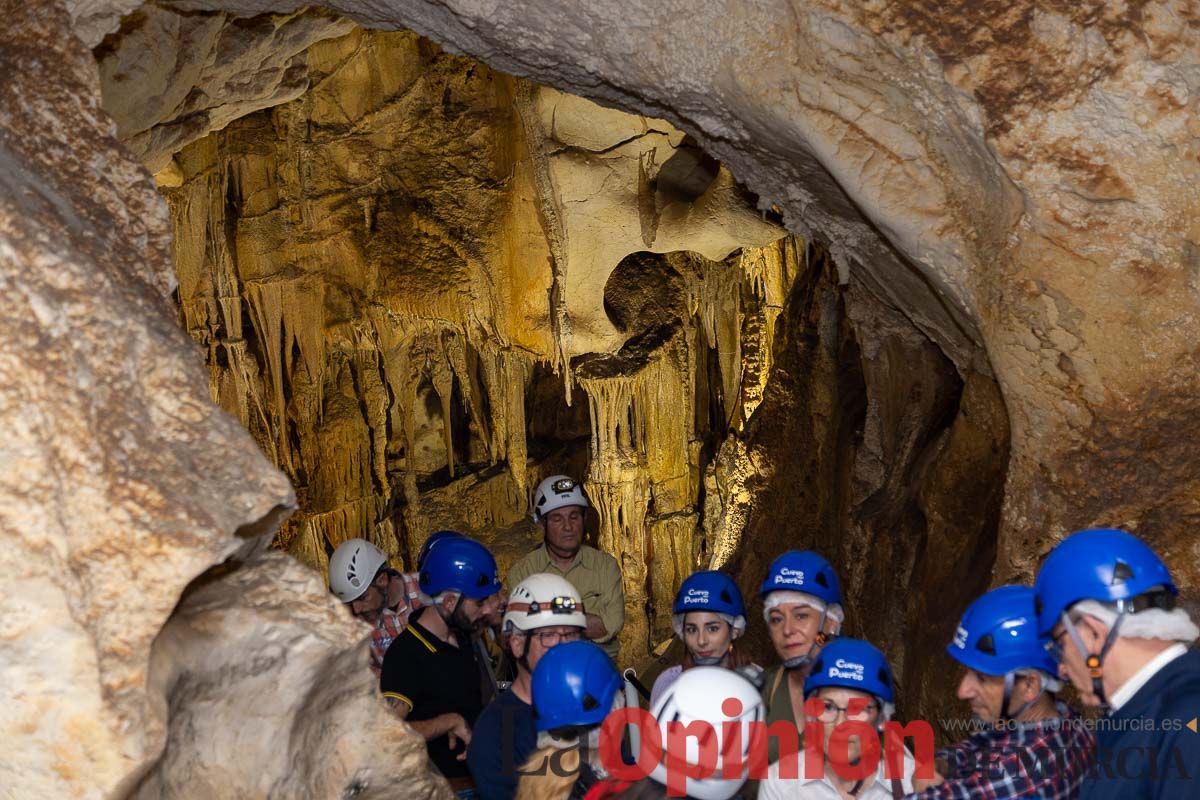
(709,617)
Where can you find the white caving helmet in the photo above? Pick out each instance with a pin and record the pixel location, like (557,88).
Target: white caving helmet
(557,491)
(700,695)
(542,600)
(352,567)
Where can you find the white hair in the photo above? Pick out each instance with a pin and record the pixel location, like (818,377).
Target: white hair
(1151,623)
(782,597)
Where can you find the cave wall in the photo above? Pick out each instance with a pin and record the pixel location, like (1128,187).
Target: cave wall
(380,269)
(122,485)
(1035,167)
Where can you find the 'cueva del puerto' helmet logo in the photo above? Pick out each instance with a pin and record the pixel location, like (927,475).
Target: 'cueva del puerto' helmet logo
(960,638)
(789,575)
(847,670)
(695,597)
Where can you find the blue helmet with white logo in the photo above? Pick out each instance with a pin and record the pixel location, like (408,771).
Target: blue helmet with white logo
(998,634)
(1102,564)
(574,685)
(710,590)
(803,571)
(460,565)
(852,664)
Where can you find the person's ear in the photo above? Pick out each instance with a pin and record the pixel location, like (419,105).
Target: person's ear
(1033,687)
(449,601)
(1093,630)
(516,643)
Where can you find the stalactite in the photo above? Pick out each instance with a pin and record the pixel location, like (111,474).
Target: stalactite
(550,214)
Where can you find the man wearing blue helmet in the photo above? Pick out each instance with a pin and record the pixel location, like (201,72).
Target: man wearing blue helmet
(802,604)
(708,616)
(853,682)
(1028,746)
(575,687)
(1108,603)
(431,673)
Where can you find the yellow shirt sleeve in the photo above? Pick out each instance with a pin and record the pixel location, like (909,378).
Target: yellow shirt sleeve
(610,606)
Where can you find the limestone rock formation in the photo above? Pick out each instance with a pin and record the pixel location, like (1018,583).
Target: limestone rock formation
(380,270)
(1021,184)
(262,672)
(120,481)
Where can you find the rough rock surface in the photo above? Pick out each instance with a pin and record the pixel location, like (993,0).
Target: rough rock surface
(120,481)
(1029,175)
(381,271)
(267,696)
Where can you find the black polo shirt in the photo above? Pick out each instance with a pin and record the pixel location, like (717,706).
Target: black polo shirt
(432,677)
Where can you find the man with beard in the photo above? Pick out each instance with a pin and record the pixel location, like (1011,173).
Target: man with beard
(1028,745)
(543,611)
(431,675)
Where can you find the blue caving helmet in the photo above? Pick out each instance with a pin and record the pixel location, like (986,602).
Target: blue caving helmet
(852,664)
(1102,564)
(999,634)
(573,686)
(1107,565)
(803,571)
(710,591)
(434,538)
(461,565)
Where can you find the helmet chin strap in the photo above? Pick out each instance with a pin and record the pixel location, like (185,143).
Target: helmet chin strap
(820,640)
(1010,679)
(1095,661)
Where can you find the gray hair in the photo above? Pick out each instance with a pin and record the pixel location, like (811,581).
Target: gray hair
(1151,623)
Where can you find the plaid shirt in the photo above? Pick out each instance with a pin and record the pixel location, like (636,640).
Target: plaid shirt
(394,620)
(1046,760)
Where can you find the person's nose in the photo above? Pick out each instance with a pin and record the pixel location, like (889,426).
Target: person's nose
(791,627)
(965,690)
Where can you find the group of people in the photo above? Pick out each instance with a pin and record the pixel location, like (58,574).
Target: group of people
(1101,614)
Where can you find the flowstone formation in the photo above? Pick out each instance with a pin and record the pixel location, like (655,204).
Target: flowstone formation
(1021,184)
(383,271)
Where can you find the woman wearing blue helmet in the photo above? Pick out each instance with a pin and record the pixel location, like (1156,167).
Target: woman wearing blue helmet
(853,682)
(709,616)
(802,605)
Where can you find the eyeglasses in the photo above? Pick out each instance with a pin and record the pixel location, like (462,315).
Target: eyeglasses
(551,638)
(830,711)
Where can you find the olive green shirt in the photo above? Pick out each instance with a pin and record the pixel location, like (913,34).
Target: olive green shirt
(595,576)
(778,701)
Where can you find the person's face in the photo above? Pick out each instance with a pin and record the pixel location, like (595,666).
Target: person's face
(537,642)
(564,529)
(837,704)
(368,604)
(793,628)
(706,635)
(984,694)
(1072,666)
(472,615)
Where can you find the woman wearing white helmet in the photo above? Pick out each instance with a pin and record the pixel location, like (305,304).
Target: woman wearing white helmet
(543,611)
